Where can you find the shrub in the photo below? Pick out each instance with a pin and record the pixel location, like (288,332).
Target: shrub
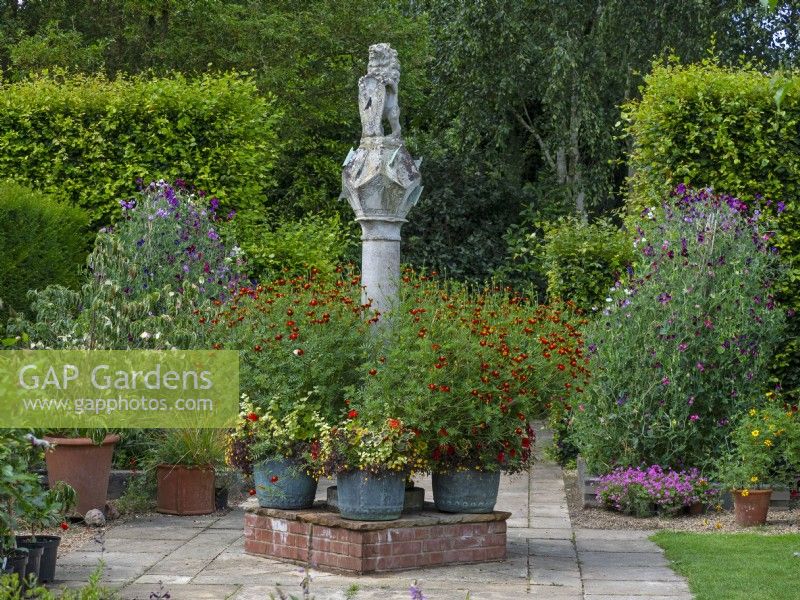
(86,139)
(299,338)
(292,248)
(172,237)
(684,342)
(582,260)
(144,280)
(42,242)
(734,130)
(468,370)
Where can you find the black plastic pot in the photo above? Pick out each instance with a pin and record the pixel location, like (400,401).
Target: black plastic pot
(47,564)
(16,562)
(35,551)
(221,498)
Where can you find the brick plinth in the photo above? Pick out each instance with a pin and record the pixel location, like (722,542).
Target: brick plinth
(321,539)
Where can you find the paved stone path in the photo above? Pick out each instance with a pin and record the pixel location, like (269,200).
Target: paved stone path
(202,558)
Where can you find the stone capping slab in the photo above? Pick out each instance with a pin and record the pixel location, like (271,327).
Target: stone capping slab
(321,514)
(320,539)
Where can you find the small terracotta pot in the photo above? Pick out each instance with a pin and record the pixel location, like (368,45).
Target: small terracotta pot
(83,465)
(751,509)
(185,490)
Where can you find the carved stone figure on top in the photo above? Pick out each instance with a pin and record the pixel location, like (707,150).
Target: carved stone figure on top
(377,92)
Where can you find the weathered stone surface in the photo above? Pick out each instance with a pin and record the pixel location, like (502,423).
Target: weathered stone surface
(321,515)
(380,179)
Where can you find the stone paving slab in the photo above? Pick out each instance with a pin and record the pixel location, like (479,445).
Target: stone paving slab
(640,588)
(624,597)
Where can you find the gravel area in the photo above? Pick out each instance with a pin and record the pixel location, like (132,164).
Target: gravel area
(787,521)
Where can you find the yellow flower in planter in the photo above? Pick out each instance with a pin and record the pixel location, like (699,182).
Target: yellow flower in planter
(753,412)
(745,492)
(754,479)
(768,443)
(755,433)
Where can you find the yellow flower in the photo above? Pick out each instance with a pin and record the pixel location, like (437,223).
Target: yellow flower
(717,525)
(768,443)
(745,492)
(755,433)
(753,412)
(754,479)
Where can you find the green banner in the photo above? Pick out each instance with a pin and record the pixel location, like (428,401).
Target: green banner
(119,388)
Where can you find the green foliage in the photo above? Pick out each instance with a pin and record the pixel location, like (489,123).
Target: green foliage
(56,48)
(734,130)
(101,315)
(581,260)
(190,447)
(20,490)
(764,452)
(11,588)
(295,247)
(172,239)
(139,495)
(468,370)
(684,343)
(308,54)
(87,139)
(297,338)
(42,242)
(738,566)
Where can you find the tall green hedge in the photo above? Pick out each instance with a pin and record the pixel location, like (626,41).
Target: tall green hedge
(42,242)
(738,131)
(87,139)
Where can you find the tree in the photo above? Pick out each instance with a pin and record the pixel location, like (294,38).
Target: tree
(545,79)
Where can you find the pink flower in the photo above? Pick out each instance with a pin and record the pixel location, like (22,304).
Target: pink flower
(694,418)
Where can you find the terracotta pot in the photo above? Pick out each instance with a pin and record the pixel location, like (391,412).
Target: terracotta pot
(751,509)
(185,490)
(83,465)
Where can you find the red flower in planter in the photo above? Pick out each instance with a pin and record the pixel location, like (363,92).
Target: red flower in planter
(64,525)
(252,492)
(352,413)
(273,479)
(252,417)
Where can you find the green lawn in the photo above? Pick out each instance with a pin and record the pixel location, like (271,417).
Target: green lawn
(734,566)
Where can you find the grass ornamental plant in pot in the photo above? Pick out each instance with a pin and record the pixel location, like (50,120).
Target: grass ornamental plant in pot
(761,458)
(275,445)
(697,312)
(467,370)
(184,461)
(371,459)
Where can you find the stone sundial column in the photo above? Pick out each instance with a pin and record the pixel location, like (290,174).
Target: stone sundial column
(380,179)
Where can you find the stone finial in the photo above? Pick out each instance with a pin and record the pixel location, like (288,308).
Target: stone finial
(377,92)
(380,179)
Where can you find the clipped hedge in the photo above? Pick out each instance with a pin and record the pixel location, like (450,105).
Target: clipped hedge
(42,242)
(583,260)
(87,139)
(735,130)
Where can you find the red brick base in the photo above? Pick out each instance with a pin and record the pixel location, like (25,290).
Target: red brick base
(323,540)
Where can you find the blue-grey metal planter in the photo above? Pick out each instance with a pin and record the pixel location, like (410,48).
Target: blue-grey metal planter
(283,483)
(363,496)
(468,491)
